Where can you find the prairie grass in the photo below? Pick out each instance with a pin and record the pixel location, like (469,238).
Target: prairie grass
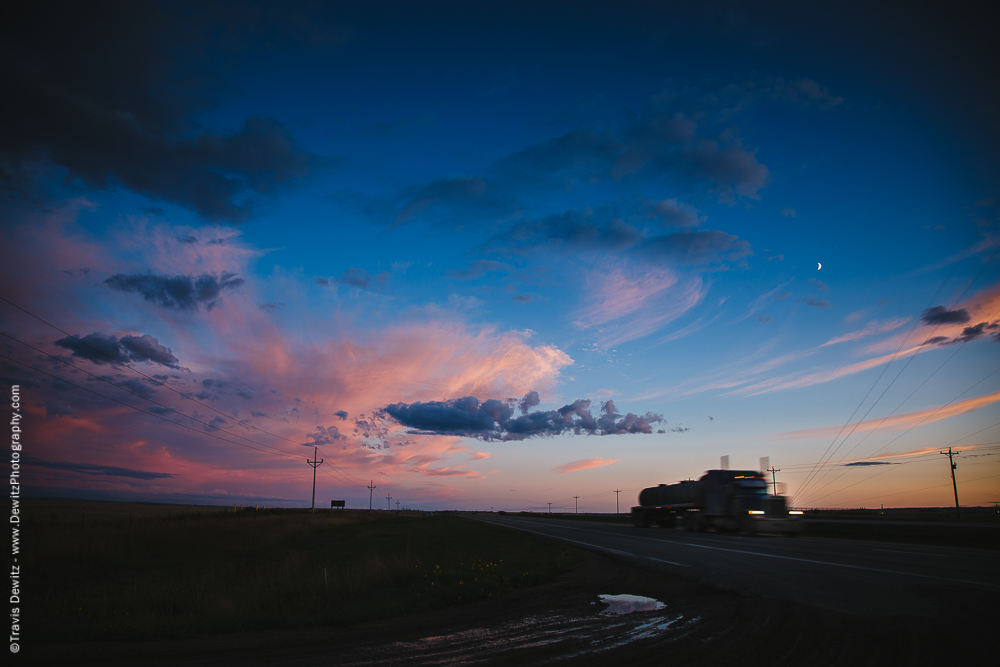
(120,571)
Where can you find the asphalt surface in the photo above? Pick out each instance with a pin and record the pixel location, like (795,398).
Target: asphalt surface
(857,577)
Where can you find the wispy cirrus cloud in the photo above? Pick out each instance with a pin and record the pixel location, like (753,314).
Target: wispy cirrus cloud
(625,304)
(583,464)
(898,422)
(952,330)
(872,328)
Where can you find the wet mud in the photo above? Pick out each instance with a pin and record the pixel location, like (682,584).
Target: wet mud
(607,612)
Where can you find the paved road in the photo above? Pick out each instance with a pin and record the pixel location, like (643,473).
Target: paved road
(842,575)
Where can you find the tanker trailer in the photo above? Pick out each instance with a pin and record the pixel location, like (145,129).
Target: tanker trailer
(727,500)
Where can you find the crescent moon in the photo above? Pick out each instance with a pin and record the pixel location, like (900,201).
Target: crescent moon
(819,265)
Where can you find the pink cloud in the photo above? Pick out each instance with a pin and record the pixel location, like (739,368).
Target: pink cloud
(873,327)
(898,422)
(626,304)
(287,376)
(583,464)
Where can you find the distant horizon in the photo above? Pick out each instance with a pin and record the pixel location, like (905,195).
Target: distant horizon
(326,507)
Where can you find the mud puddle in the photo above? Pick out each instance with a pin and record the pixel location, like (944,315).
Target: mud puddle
(615,621)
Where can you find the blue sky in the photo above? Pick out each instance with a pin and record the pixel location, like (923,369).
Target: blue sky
(377,230)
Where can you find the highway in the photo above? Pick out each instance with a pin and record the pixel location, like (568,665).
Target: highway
(858,577)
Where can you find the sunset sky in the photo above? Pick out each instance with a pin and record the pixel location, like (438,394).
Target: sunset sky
(501,254)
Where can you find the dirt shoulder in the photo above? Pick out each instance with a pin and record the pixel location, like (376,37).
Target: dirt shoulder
(565,622)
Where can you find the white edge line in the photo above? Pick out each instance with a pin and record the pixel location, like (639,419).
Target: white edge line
(594,546)
(755,553)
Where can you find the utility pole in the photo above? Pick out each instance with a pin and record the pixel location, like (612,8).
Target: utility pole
(315,464)
(371,487)
(773,480)
(388,505)
(577,504)
(550,508)
(954,485)
(617,491)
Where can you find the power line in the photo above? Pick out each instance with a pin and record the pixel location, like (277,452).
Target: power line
(267,448)
(908,430)
(922,458)
(924,488)
(817,479)
(118,363)
(809,479)
(145,398)
(151,414)
(347,477)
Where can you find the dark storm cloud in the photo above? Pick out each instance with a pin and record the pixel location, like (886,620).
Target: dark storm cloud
(660,143)
(695,248)
(935,340)
(604,230)
(862,464)
(972,333)
(530,400)
(102,349)
(323,436)
(941,315)
(176,292)
(137,387)
(585,229)
(101,470)
(356,278)
(215,389)
(54,409)
(454,197)
(341,413)
(95,347)
(673,213)
(362,279)
(494,419)
(968,335)
(104,91)
(270,306)
(147,348)
(817,303)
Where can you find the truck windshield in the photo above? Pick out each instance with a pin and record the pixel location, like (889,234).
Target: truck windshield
(756,489)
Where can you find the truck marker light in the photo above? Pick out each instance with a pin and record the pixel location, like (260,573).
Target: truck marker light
(755,512)
(795,511)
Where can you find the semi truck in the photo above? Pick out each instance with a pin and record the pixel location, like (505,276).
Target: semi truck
(727,500)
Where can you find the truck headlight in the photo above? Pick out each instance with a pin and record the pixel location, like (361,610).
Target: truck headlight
(795,511)
(755,512)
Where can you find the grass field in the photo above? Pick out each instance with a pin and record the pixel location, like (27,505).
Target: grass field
(131,571)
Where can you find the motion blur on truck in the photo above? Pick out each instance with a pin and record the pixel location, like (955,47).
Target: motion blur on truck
(726,500)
